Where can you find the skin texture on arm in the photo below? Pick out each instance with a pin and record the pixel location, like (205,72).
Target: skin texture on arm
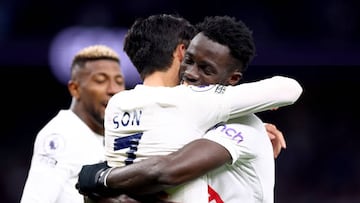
(162,172)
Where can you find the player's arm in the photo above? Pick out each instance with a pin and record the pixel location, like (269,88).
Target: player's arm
(263,95)
(45,181)
(159,173)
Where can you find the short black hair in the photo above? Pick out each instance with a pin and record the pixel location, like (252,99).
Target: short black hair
(151,42)
(232,33)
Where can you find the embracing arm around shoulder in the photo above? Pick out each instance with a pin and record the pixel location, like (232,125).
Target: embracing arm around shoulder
(162,172)
(263,95)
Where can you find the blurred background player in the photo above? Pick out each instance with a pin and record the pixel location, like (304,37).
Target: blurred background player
(75,136)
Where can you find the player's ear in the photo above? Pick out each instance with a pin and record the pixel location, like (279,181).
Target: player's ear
(73,88)
(235,78)
(180,50)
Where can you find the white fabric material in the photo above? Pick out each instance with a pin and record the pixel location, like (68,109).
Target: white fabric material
(169,117)
(251,176)
(60,149)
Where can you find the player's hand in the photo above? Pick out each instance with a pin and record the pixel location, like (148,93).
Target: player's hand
(91,181)
(276,137)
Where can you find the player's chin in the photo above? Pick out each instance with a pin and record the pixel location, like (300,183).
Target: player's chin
(104,104)
(102,110)
(184,81)
(187,82)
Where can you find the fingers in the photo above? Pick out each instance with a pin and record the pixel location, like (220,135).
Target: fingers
(277,138)
(275,133)
(276,149)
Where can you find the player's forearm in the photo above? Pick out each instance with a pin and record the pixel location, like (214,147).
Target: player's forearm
(144,177)
(264,95)
(159,173)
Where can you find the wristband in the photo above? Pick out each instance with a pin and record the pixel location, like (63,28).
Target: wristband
(103,176)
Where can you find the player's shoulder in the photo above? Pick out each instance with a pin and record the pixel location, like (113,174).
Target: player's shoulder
(248,126)
(206,89)
(122,93)
(65,123)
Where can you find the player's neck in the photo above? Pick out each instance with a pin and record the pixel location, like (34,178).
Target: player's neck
(85,116)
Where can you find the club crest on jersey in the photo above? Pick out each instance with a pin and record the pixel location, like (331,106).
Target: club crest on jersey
(219,89)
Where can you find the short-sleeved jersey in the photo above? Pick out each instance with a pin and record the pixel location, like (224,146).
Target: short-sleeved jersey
(61,148)
(250,177)
(149,121)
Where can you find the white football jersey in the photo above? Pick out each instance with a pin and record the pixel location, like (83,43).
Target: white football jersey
(61,148)
(251,176)
(149,121)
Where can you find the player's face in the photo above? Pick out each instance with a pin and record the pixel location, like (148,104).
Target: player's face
(101,80)
(207,62)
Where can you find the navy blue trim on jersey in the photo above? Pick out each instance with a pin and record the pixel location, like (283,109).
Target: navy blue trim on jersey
(131,141)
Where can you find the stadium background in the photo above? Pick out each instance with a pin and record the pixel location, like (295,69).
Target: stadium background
(316,42)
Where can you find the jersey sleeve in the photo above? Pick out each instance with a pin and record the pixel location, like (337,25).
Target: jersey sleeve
(263,95)
(48,172)
(240,140)
(43,183)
